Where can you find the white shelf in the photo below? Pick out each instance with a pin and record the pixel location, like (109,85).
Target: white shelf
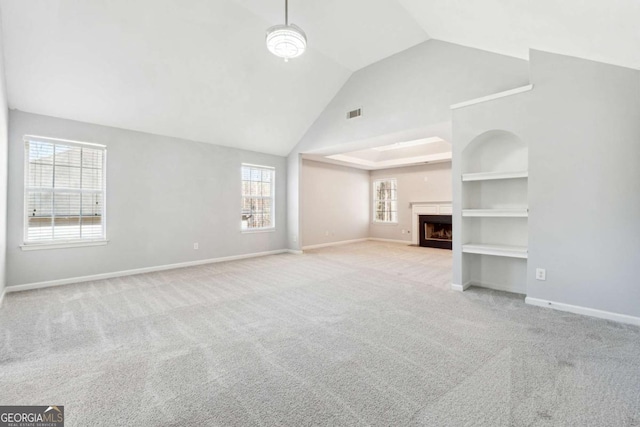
(489,176)
(496,250)
(496,213)
(492,97)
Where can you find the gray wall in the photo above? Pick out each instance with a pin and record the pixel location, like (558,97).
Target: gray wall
(584,226)
(411,90)
(582,125)
(335,203)
(425,183)
(3,167)
(163,195)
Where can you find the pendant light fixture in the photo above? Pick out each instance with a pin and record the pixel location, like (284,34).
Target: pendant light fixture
(286,41)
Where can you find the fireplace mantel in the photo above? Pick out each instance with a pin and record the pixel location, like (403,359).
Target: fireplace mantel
(426,208)
(442,202)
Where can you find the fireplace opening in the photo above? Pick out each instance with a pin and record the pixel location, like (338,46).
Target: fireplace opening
(435,231)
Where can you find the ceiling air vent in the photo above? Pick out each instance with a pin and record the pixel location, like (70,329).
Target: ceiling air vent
(354,113)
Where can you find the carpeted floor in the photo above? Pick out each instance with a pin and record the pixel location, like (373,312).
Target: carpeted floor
(364,334)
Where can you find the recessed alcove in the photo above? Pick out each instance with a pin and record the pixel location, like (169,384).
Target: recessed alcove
(495,151)
(494,211)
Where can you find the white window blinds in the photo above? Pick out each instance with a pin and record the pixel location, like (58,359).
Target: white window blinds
(64,191)
(257,197)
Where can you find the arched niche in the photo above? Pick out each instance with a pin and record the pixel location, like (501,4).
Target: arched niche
(494,227)
(495,151)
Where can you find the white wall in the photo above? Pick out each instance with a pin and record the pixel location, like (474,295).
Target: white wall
(163,195)
(584,226)
(411,90)
(3,167)
(335,203)
(337,200)
(425,183)
(581,123)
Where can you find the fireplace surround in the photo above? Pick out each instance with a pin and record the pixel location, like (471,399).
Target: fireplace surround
(435,231)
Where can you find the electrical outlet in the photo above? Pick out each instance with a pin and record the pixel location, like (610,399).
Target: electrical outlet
(541,274)
(196,246)
(403,231)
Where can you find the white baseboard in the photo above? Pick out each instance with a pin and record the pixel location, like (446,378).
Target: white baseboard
(326,245)
(4,291)
(376,239)
(60,282)
(460,288)
(616,317)
(346,242)
(295,251)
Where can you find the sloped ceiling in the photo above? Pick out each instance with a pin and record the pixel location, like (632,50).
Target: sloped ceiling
(198,69)
(605,31)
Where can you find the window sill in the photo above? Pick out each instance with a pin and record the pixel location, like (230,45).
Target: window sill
(383,223)
(61,245)
(259,230)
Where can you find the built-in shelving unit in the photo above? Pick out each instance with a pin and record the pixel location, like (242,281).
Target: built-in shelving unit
(495,211)
(496,250)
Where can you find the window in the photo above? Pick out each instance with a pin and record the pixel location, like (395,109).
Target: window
(257,197)
(64,191)
(385,200)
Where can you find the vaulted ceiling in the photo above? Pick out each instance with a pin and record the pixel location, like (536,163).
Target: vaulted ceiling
(605,31)
(198,69)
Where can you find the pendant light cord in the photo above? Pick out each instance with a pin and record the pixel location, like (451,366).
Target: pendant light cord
(286,12)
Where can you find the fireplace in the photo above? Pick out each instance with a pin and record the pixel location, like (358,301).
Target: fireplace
(435,231)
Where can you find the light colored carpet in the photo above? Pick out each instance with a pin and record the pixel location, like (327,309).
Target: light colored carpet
(364,334)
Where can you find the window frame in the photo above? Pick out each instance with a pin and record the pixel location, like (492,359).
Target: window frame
(28,245)
(375,200)
(272,197)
